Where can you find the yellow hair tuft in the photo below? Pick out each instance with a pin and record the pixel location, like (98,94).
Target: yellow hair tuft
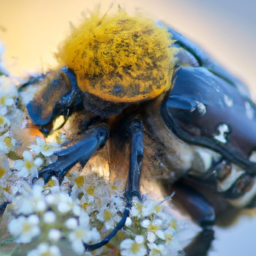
(120,58)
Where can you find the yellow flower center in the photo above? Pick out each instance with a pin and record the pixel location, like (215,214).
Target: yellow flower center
(135,247)
(173,224)
(51,183)
(2,101)
(7,189)
(79,233)
(159,208)
(153,228)
(155,252)
(85,206)
(1,120)
(28,165)
(8,141)
(80,182)
(90,190)
(2,172)
(46,147)
(114,187)
(139,207)
(168,237)
(26,227)
(108,215)
(46,254)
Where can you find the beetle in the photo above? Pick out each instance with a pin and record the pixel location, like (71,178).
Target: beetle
(162,108)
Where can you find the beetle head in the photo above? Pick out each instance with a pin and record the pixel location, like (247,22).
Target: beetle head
(55,97)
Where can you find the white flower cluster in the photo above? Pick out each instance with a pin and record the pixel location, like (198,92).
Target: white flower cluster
(82,209)
(19,161)
(59,215)
(12,121)
(155,230)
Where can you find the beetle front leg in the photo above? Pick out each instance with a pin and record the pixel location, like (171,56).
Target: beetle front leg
(78,150)
(202,212)
(133,181)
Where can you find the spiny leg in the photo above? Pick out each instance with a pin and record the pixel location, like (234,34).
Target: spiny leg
(202,212)
(133,181)
(78,150)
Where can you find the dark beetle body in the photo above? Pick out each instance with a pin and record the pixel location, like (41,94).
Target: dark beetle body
(203,129)
(226,103)
(182,123)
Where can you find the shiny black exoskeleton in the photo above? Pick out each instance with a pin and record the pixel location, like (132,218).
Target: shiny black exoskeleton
(199,133)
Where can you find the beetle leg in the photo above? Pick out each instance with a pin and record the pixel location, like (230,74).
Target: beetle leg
(202,212)
(136,156)
(79,150)
(2,208)
(201,243)
(133,181)
(199,207)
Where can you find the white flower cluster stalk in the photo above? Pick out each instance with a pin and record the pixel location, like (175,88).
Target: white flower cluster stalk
(82,209)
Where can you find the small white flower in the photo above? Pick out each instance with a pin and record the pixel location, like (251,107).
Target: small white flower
(43,147)
(118,203)
(129,247)
(7,143)
(25,228)
(151,207)
(145,208)
(169,235)
(80,235)
(54,235)
(40,205)
(18,122)
(71,223)
(136,210)
(84,219)
(108,217)
(51,199)
(30,200)
(44,249)
(28,166)
(65,204)
(4,123)
(77,209)
(128,222)
(154,229)
(157,250)
(49,217)
(90,192)
(7,92)
(4,169)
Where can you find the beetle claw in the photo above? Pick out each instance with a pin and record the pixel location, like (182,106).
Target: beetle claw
(46,173)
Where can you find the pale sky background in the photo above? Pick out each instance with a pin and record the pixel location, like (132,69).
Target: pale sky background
(31,31)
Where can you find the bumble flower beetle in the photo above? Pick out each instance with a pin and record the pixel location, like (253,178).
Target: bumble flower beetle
(162,107)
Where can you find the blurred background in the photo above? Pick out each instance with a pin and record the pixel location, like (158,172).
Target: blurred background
(31,31)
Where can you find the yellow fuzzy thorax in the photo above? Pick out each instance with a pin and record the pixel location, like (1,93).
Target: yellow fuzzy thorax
(120,58)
